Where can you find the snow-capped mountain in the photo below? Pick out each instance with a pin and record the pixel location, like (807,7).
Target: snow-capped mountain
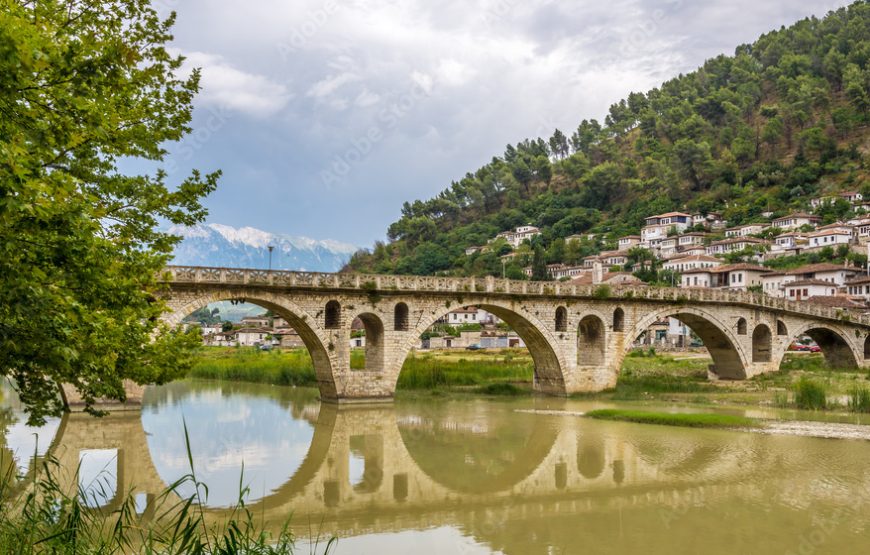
(247,247)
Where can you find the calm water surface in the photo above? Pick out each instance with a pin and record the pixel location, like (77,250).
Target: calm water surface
(469,476)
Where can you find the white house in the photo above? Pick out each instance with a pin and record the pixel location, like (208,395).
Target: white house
(561,271)
(689,240)
(744,230)
(732,276)
(829,238)
(223,339)
(859,286)
(735,244)
(261,321)
(211,329)
(250,337)
(667,246)
(795,221)
(775,283)
(806,288)
(628,241)
(694,262)
(469,315)
(516,237)
(660,226)
(697,277)
(790,240)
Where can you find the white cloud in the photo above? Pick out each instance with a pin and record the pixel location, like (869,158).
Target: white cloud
(225,86)
(453,73)
(367,98)
(328,86)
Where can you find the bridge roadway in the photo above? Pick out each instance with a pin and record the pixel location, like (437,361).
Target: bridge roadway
(577,335)
(561,465)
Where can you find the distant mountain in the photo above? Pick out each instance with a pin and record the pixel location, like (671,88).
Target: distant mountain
(247,247)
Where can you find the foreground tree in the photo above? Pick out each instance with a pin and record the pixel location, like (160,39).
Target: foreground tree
(84,84)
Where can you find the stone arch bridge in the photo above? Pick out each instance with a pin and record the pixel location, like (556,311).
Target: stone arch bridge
(577,335)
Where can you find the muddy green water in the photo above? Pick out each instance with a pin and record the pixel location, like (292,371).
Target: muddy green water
(470,475)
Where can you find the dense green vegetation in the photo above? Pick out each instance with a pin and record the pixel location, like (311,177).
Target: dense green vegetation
(84,85)
(780,121)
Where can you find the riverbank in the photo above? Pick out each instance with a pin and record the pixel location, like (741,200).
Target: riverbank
(804,381)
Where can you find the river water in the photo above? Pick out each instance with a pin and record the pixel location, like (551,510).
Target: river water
(468,475)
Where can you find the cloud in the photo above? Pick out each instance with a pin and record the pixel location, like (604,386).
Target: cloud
(226,86)
(326,87)
(491,72)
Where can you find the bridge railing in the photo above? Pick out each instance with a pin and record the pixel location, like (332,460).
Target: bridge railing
(371,282)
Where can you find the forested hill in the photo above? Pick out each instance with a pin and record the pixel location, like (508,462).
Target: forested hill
(779,122)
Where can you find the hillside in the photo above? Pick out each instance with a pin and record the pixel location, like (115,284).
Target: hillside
(781,121)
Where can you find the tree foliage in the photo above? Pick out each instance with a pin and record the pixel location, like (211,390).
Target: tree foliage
(83,85)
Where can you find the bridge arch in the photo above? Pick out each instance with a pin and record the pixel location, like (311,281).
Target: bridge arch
(549,362)
(835,344)
(315,338)
(729,360)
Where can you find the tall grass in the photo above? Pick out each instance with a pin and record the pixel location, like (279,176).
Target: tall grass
(251,365)
(46,519)
(859,399)
(810,394)
(432,372)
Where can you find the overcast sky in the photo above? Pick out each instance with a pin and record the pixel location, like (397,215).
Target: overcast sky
(325,116)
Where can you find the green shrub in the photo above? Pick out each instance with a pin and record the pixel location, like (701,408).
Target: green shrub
(810,395)
(602,292)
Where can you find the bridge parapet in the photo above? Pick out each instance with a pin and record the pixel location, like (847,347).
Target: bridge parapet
(181,275)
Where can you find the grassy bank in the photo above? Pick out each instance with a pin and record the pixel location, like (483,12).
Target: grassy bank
(804,380)
(492,372)
(690,420)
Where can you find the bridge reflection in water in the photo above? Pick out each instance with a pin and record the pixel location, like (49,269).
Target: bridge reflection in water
(513,481)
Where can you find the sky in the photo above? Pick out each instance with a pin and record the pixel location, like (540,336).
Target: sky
(325,116)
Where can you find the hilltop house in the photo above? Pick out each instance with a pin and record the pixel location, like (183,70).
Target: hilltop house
(660,226)
(744,230)
(516,237)
(796,220)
